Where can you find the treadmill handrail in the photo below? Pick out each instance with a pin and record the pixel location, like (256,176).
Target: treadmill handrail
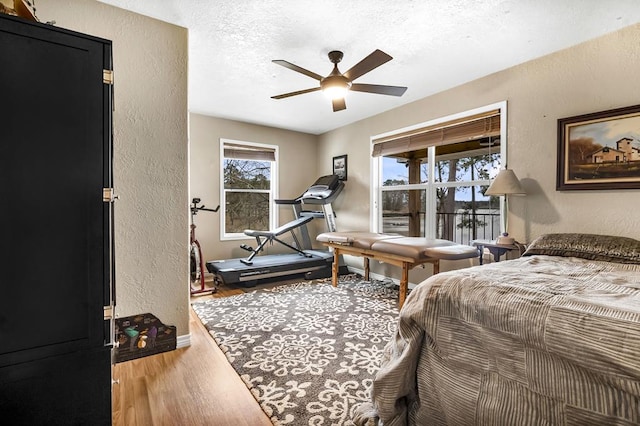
(288,202)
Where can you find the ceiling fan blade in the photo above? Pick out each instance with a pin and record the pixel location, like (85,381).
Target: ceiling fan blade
(299,92)
(339,104)
(374,60)
(297,68)
(379,89)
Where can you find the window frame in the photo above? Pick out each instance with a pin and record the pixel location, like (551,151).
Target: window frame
(431,186)
(273,191)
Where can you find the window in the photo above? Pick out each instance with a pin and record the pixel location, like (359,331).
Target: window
(248,173)
(430,180)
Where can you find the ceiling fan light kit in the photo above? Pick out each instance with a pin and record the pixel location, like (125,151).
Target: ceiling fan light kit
(336,85)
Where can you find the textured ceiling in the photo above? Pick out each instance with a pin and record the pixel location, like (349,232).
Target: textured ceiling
(436,45)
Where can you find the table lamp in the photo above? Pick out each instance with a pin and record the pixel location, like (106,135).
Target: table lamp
(506,183)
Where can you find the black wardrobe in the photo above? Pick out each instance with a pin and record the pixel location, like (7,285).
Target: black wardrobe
(56,257)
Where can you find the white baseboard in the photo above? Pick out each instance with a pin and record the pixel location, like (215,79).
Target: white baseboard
(183,341)
(372,275)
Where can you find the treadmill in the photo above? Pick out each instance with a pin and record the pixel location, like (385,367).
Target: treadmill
(314,203)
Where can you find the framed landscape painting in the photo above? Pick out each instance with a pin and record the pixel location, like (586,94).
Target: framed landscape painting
(600,150)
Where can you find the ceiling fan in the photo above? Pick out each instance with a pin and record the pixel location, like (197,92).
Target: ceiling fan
(336,84)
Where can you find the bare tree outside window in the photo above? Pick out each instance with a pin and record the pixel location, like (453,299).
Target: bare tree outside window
(247,185)
(463,212)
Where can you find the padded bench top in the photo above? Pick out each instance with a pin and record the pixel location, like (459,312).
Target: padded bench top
(280,230)
(359,239)
(455,252)
(412,247)
(422,248)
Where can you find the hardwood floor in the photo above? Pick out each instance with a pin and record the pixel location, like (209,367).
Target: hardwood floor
(189,386)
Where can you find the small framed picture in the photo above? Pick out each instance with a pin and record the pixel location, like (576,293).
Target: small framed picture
(340,166)
(600,150)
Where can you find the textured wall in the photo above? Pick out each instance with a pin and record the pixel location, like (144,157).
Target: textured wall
(150,155)
(597,75)
(151,148)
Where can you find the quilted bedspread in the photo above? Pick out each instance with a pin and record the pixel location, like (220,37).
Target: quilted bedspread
(540,340)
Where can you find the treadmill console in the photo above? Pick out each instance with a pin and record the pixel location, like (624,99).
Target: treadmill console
(323,188)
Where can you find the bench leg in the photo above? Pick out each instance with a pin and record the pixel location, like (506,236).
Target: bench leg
(366,269)
(335,267)
(404,284)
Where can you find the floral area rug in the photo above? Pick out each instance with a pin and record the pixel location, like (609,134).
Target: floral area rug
(307,351)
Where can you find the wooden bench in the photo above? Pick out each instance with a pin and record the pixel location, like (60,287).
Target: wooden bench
(394,249)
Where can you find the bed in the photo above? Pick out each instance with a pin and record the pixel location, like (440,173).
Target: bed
(550,338)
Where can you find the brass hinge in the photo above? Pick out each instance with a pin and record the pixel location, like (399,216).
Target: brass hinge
(107,76)
(108,196)
(108,312)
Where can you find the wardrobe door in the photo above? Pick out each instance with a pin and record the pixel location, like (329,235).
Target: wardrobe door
(55,228)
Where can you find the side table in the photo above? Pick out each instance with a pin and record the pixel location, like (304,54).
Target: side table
(497,250)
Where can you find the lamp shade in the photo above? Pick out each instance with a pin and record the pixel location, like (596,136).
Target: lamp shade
(506,183)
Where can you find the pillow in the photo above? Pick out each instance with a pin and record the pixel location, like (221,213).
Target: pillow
(605,248)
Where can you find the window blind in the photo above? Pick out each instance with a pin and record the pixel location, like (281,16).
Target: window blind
(465,129)
(248,152)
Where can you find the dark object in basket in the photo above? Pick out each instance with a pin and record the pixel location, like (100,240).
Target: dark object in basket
(142,335)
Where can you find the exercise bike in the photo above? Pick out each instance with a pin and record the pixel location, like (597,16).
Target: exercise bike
(197,264)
